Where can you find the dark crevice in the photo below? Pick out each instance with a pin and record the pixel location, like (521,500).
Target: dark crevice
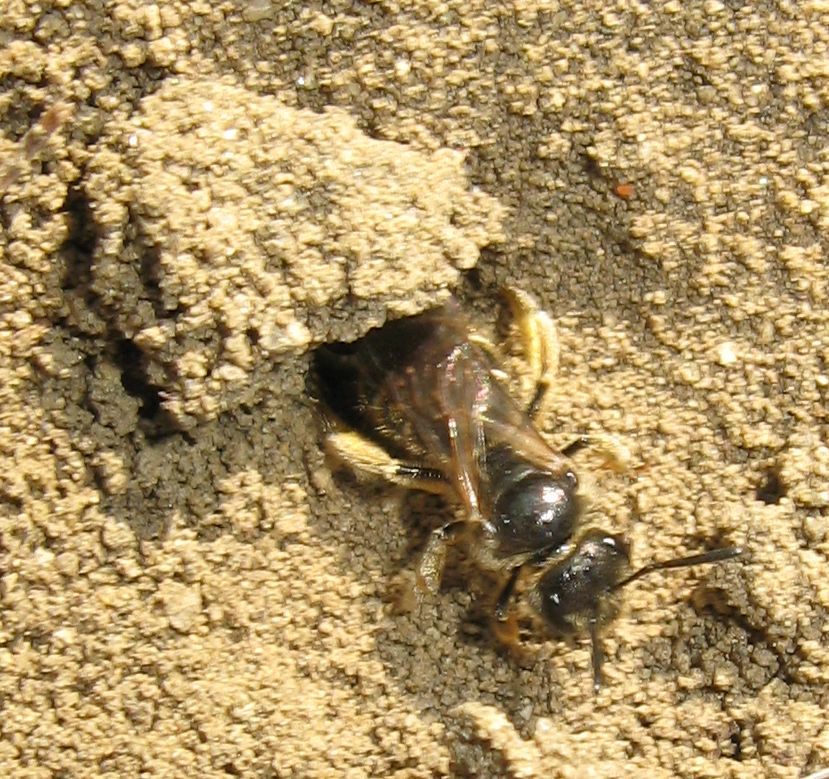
(156,422)
(130,360)
(736,739)
(164,305)
(772,489)
(149,269)
(80,243)
(78,252)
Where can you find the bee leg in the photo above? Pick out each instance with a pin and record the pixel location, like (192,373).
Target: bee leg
(507,635)
(504,597)
(540,342)
(582,442)
(506,632)
(615,454)
(596,654)
(495,354)
(370,458)
(430,568)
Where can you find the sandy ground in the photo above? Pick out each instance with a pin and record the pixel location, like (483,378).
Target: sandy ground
(194,195)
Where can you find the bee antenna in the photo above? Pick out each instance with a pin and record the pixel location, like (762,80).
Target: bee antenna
(596,652)
(713,556)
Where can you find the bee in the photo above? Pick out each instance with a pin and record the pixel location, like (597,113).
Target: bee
(423,402)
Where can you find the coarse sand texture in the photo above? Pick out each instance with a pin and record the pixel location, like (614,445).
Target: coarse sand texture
(194,196)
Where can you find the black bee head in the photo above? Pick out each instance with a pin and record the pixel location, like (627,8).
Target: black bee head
(574,591)
(580,590)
